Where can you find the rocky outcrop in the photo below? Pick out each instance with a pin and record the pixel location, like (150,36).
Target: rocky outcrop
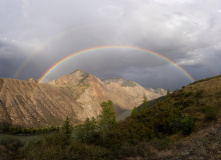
(32,80)
(160,91)
(77,95)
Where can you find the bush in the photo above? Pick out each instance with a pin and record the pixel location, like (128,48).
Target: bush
(188,102)
(129,150)
(210,112)
(42,150)
(199,93)
(52,147)
(11,144)
(187,125)
(79,150)
(160,143)
(187,94)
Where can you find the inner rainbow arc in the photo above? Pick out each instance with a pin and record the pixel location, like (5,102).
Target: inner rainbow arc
(111,47)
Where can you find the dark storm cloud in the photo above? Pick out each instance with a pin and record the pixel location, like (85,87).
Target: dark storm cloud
(185,31)
(10,58)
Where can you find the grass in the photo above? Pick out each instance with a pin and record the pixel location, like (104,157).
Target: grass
(28,138)
(24,139)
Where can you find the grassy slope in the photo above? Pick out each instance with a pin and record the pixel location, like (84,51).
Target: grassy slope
(202,102)
(193,100)
(205,96)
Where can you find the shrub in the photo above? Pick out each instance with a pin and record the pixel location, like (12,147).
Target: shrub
(128,150)
(41,149)
(51,147)
(79,150)
(210,112)
(199,93)
(160,143)
(187,125)
(188,94)
(188,102)
(11,144)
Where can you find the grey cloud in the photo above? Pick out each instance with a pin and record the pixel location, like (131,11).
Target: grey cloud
(187,32)
(10,59)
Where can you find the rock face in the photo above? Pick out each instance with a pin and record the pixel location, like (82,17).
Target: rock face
(160,91)
(32,80)
(77,95)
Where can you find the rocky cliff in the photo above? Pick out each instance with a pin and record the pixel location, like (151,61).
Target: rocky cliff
(77,95)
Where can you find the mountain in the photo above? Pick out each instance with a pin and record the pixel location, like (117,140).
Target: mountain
(77,95)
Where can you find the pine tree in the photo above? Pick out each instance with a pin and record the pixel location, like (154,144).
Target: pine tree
(144,106)
(134,111)
(168,93)
(66,130)
(88,131)
(107,120)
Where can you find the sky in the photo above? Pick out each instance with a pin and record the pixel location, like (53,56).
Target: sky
(35,35)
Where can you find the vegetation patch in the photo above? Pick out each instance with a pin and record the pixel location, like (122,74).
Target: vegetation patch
(84,77)
(211,113)
(10,148)
(26,131)
(128,84)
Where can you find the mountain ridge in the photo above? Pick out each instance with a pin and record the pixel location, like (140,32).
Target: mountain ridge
(77,95)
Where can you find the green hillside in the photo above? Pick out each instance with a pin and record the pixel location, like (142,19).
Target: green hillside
(150,103)
(188,115)
(200,101)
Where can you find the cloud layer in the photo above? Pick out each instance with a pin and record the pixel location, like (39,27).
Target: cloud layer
(37,34)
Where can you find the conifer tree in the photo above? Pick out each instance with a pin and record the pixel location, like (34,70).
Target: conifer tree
(88,130)
(144,105)
(134,111)
(107,120)
(168,93)
(66,130)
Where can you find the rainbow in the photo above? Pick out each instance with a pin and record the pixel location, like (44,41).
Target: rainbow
(111,47)
(58,36)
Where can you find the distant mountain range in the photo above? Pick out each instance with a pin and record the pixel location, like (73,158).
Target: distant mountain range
(77,95)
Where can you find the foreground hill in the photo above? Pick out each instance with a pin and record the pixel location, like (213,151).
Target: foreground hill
(184,125)
(77,95)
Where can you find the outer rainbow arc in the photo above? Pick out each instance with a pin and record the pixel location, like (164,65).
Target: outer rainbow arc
(58,36)
(114,46)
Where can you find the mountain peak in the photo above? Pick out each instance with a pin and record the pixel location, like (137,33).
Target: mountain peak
(78,74)
(73,78)
(78,71)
